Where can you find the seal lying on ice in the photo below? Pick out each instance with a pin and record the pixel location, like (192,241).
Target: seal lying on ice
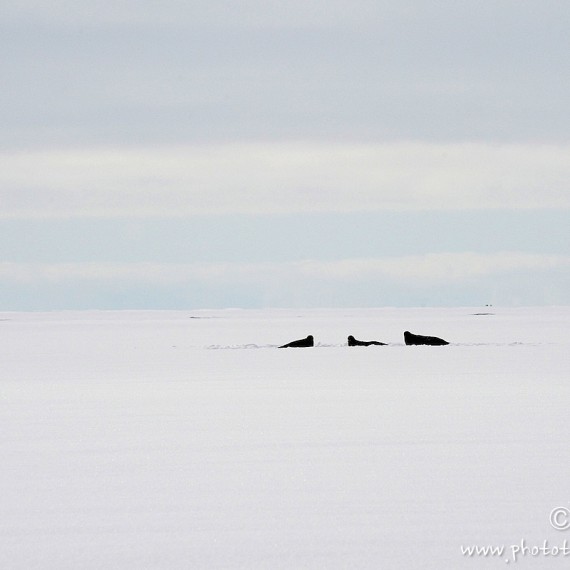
(353,342)
(410,338)
(302,343)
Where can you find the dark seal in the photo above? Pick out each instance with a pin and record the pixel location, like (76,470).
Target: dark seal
(410,338)
(353,342)
(302,343)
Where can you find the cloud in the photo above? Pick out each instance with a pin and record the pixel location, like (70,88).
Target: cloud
(433,268)
(436,267)
(96,71)
(281,178)
(267,13)
(252,13)
(466,279)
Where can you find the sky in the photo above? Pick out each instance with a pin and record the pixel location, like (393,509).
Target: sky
(215,154)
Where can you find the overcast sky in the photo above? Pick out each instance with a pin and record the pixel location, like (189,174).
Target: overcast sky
(204,154)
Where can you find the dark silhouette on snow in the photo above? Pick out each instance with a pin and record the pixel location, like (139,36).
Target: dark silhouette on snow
(410,338)
(353,342)
(302,343)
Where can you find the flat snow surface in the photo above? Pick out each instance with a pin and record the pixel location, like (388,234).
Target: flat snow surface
(187,440)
